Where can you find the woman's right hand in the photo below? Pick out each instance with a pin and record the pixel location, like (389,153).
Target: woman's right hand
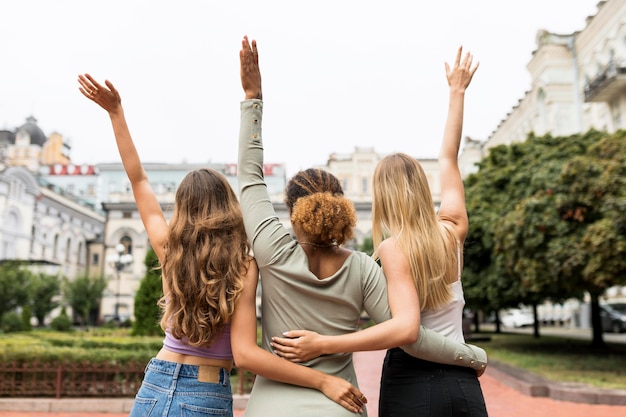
(343,393)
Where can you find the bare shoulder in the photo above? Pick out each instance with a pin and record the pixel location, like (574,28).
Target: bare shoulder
(390,252)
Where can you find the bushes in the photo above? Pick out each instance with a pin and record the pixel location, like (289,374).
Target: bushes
(92,347)
(12,322)
(99,362)
(61,323)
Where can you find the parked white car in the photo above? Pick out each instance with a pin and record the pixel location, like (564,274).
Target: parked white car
(516,317)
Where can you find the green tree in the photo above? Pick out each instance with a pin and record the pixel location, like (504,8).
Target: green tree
(490,192)
(14,286)
(147,312)
(367,246)
(44,296)
(591,200)
(546,220)
(84,294)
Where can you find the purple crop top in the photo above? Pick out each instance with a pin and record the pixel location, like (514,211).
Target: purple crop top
(219,349)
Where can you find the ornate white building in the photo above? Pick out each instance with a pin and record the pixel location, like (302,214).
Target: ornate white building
(578,82)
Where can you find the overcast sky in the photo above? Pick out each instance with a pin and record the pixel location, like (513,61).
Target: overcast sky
(337,74)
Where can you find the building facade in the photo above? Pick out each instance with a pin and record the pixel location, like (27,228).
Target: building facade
(578,83)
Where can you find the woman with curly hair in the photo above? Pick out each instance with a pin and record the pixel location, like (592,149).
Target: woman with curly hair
(314,282)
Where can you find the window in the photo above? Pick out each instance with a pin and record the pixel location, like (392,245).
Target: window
(80,259)
(68,251)
(128,244)
(55,247)
(32,238)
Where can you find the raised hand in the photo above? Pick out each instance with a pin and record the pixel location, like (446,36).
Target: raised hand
(106,97)
(461,74)
(250,73)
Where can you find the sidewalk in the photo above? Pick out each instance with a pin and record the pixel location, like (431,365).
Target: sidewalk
(508,392)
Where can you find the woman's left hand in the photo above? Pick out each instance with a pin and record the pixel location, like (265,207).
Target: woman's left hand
(298,345)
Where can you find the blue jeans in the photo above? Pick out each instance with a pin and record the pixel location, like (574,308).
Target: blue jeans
(414,387)
(173,389)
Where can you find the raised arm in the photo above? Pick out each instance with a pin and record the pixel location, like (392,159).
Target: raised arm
(256,207)
(452,207)
(107,97)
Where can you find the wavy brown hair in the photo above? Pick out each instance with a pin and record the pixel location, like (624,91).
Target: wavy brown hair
(206,257)
(317,205)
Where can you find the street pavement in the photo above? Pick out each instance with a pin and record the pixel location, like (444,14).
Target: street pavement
(502,400)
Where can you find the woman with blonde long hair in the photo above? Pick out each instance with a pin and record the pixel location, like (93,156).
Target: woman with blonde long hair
(430,245)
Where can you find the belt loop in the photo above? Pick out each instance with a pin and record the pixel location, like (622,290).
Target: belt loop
(177,371)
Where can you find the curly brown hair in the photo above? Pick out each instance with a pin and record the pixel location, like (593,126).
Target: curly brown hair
(206,258)
(317,205)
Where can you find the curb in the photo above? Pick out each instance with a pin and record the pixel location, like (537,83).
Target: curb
(534,385)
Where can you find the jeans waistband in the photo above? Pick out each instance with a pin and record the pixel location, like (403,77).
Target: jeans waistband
(203,373)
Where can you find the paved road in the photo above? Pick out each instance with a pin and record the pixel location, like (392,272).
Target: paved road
(502,401)
(563,331)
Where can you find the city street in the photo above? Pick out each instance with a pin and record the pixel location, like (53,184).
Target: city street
(571,332)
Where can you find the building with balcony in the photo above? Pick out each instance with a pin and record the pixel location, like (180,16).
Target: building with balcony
(578,82)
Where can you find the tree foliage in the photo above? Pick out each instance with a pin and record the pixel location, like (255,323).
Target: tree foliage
(147,312)
(44,295)
(547,221)
(367,246)
(84,295)
(15,280)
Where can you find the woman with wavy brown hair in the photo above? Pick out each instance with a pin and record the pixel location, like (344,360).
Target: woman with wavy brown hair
(204,256)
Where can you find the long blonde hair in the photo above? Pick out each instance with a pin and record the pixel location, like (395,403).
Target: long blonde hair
(206,258)
(403,207)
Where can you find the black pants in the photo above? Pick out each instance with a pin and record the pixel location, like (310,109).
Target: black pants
(418,388)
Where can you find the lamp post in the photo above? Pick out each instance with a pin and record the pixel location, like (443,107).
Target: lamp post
(119,260)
